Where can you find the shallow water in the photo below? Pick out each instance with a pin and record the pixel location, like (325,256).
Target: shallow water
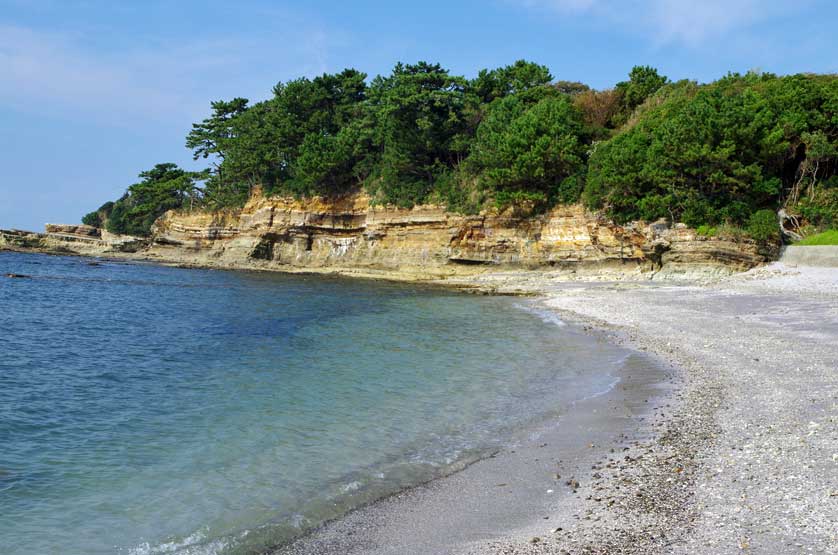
(146,409)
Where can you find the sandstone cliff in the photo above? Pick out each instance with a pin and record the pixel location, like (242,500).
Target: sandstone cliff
(351,236)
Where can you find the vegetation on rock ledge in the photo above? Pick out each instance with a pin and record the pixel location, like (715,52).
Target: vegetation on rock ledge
(728,153)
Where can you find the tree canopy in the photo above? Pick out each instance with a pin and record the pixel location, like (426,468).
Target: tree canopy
(161,188)
(718,153)
(648,148)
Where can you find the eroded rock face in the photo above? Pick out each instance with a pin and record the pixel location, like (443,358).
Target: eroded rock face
(428,241)
(70,239)
(80,230)
(352,236)
(14,239)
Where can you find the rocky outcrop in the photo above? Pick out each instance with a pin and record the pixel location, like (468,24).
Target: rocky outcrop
(15,239)
(350,235)
(73,231)
(70,239)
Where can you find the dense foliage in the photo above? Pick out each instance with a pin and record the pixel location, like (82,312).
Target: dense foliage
(716,154)
(719,152)
(162,188)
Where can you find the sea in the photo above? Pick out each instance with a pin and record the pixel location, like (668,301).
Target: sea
(147,409)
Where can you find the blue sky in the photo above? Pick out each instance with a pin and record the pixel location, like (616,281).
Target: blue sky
(93,92)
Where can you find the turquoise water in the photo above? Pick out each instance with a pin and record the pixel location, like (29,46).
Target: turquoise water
(147,410)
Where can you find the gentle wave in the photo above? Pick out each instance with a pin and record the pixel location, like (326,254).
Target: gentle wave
(546,315)
(194,544)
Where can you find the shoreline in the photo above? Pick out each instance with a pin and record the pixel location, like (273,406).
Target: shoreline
(740,456)
(701,474)
(541,476)
(500,280)
(745,462)
(606,419)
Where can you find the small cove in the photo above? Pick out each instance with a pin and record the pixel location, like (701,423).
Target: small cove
(146,409)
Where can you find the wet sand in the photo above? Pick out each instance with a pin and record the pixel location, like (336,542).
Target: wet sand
(736,450)
(531,488)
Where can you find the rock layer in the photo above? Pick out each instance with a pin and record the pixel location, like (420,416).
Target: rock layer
(72,240)
(351,235)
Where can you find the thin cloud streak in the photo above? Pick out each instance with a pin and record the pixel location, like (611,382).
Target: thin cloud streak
(48,71)
(673,21)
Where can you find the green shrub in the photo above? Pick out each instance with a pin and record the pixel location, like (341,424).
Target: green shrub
(731,232)
(763,226)
(707,231)
(505,199)
(457,194)
(653,207)
(822,210)
(697,211)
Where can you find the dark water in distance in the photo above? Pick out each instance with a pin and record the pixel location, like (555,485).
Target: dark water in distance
(146,409)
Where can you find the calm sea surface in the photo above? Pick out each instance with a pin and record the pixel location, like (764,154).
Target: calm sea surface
(147,410)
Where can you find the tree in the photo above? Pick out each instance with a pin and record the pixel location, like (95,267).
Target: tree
(321,105)
(162,188)
(422,119)
(719,152)
(209,137)
(216,135)
(644,81)
(598,108)
(649,148)
(513,79)
(93,219)
(571,88)
(98,217)
(325,165)
(536,149)
(819,151)
(261,145)
(327,112)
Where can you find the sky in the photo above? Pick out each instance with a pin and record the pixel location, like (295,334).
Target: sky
(92,92)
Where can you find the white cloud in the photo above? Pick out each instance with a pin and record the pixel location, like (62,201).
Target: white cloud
(691,22)
(694,22)
(158,79)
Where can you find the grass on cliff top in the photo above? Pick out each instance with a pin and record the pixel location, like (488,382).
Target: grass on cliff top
(826,238)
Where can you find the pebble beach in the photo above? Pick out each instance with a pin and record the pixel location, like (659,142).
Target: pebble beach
(730,446)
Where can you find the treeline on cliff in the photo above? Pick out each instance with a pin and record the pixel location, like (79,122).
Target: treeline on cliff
(724,155)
